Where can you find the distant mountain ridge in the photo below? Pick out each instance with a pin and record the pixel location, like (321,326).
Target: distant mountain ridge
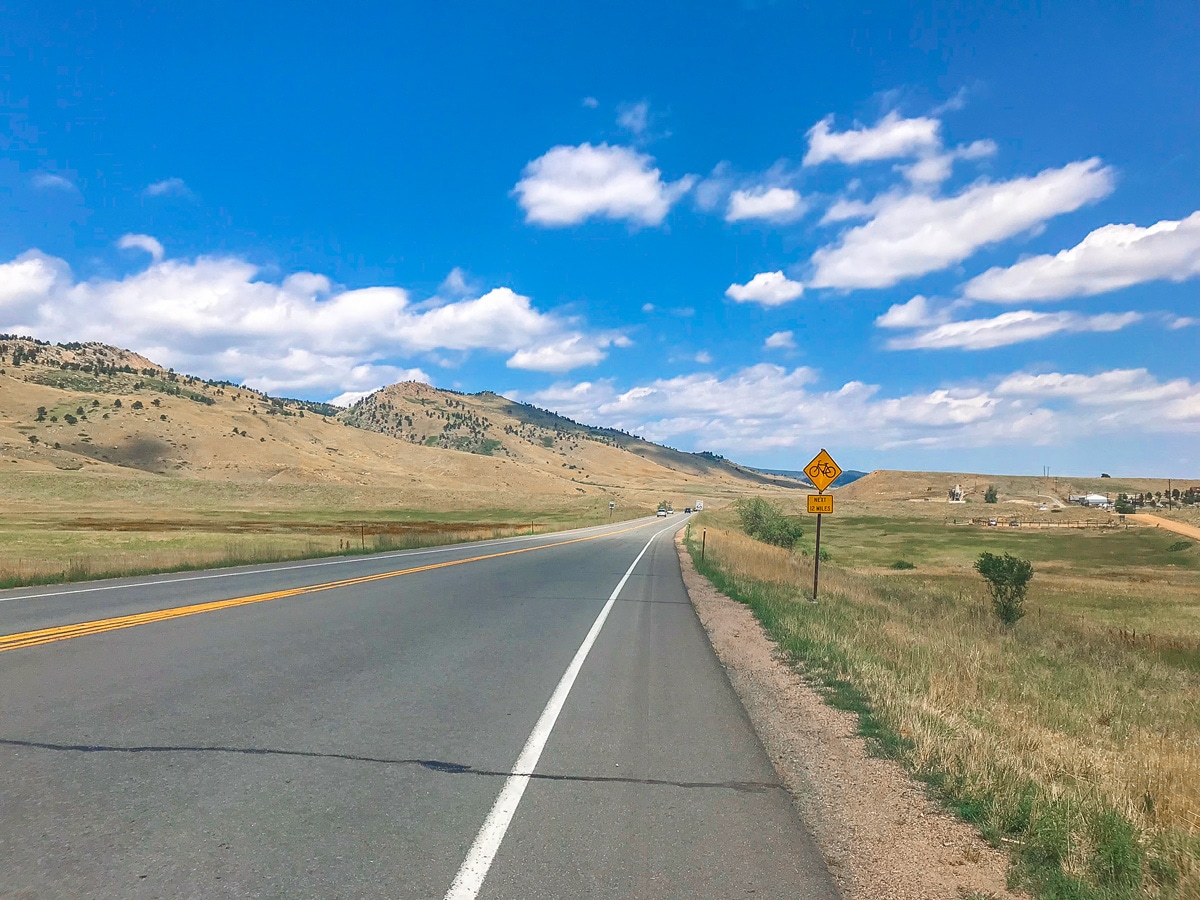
(848,476)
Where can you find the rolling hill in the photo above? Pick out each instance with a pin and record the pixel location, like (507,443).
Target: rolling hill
(105,412)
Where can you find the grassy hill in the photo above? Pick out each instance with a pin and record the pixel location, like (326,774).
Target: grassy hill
(112,462)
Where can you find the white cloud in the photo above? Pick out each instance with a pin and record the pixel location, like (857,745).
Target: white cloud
(935,168)
(892,137)
(913,234)
(703,357)
(771,409)
(217,317)
(141,242)
(916,313)
(591,102)
(780,340)
(1009,328)
(774,204)
(52,182)
(569,352)
(1176,322)
(1110,258)
(648,307)
(570,184)
(846,208)
(168,187)
(767,288)
(634,118)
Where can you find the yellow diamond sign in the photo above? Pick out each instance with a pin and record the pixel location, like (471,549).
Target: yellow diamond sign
(822,470)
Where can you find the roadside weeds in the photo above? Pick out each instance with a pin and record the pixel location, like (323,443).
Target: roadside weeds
(883,837)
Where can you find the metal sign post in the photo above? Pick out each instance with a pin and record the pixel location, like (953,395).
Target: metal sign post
(822,471)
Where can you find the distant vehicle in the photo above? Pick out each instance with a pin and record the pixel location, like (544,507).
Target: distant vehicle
(662,513)
(688,510)
(991,521)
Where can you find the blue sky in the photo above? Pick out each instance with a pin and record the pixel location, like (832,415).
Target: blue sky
(924,237)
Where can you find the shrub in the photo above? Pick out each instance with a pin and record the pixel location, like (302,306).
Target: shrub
(137,404)
(990,495)
(1179,545)
(902,564)
(764,521)
(1007,580)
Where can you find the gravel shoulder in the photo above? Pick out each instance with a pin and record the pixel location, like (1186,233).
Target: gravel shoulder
(882,836)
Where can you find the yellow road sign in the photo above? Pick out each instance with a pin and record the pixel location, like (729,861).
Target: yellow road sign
(822,471)
(820,503)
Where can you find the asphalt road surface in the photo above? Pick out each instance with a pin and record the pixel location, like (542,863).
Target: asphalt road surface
(532,718)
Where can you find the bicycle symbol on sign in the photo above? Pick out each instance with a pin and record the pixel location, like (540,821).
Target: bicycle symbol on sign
(821,470)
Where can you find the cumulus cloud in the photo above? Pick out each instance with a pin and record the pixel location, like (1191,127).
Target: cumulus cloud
(767,288)
(1008,328)
(141,242)
(775,204)
(168,187)
(768,408)
(1110,258)
(567,185)
(913,234)
(780,340)
(935,168)
(216,316)
(892,137)
(916,313)
(48,181)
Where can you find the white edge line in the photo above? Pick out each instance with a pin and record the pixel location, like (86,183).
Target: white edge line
(315,565)
(474,870)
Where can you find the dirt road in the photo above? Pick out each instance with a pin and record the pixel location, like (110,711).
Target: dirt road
(1159,522)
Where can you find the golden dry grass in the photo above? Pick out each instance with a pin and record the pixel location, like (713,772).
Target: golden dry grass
(1060,719)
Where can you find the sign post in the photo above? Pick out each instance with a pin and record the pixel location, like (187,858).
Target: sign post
(612,504)
(822,471)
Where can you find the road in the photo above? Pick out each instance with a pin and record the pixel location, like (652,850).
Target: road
(1167,524)
(539,717)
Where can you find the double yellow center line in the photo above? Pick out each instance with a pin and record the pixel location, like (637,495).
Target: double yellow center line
(99,626)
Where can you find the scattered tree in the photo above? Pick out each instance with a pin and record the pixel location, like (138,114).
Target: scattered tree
(137,404)
(1007,580)
(990,495)
(41,414)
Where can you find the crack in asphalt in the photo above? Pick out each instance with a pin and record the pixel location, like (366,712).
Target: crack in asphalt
(432,765)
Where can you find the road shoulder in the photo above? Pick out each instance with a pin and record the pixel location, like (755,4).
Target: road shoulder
(882,836)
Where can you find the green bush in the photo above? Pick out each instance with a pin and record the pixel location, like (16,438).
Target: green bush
(902,564)
(764,521)
(1007,580)
(990,495)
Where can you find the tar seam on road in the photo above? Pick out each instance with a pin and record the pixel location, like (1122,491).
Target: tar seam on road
(56,633)
(469,880)
(440,766)
(358,558)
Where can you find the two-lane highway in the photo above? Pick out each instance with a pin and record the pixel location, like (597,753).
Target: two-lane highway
(534,717)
